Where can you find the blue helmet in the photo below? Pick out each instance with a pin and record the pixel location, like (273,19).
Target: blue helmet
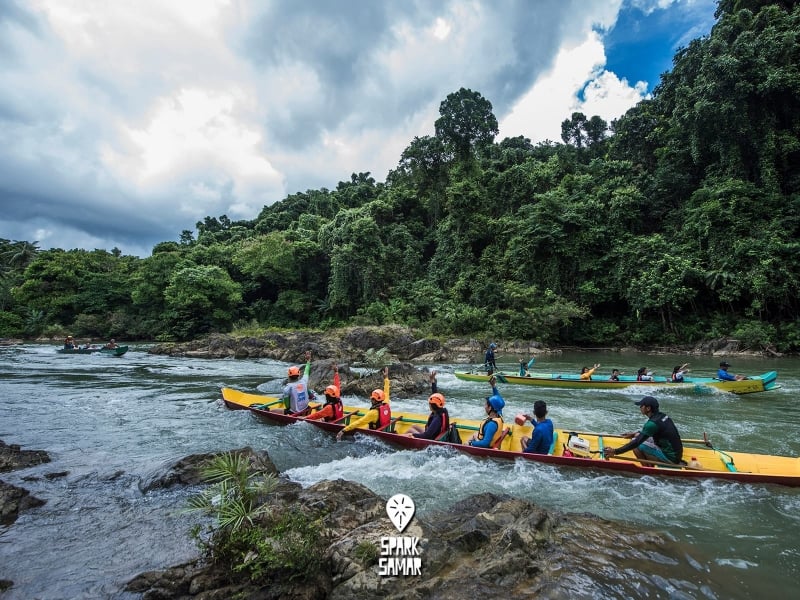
(492,345)
(497,403)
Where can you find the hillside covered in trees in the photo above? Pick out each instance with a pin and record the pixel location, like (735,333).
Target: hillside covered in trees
(677,222)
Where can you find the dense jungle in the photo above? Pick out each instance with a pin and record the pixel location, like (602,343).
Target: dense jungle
(677,222)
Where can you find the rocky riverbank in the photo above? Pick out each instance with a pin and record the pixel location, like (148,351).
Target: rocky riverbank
(13,499)
(484,546)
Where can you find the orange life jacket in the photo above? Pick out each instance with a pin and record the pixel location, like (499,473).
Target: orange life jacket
(497,434)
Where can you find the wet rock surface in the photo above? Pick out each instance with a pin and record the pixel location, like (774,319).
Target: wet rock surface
(487,545)
(13,499)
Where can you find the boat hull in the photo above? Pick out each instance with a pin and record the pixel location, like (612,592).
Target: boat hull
(118,351)
(715,464)
(758,383)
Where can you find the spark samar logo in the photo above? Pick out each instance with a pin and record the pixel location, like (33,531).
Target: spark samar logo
(400,554)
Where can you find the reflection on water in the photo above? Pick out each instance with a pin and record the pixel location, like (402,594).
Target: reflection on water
(112,422)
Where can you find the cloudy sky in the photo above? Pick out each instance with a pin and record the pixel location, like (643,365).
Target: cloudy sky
(124,123)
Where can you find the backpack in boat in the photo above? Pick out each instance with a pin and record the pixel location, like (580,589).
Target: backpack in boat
(452,435)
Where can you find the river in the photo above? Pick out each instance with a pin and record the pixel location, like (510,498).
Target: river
(111,423)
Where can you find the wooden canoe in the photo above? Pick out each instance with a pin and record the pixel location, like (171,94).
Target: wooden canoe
(713,463)
(757,383)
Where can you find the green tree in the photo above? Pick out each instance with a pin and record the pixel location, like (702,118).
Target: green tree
(200,299)
(466,123)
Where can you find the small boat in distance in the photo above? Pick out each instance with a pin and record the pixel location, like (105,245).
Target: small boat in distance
(756,383)
(118,351)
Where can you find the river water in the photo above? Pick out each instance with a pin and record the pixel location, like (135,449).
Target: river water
(112,423)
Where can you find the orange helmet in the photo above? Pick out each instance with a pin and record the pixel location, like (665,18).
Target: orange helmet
(294,371)
(377,396)
(436,400)
(332,391)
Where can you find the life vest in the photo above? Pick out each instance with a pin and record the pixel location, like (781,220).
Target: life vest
(667,432)
(338,410)
(677,377)
(444,421)
(497,434)
(298,397)
(384,416)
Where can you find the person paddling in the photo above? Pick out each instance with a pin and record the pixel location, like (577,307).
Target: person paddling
(665,445)
(379,414)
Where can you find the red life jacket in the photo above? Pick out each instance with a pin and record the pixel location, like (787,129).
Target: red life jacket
(445,418)
(384,416)
(338,410)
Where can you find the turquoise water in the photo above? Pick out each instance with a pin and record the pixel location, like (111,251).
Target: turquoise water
(112,423)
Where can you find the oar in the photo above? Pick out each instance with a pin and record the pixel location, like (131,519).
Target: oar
(705,441)
(390,423)
(266,406)
(500,377)
(347,416)
(653,462)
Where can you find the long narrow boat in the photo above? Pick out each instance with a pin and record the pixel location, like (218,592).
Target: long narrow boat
(757,383)
(118,351)
(711,462)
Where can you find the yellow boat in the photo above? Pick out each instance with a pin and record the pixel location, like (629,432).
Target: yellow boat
(586,447)
(756,383)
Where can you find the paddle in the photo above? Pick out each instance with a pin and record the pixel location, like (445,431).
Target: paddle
(705,441)
(347,416)
(390,423)
(266,406)
(652,462)
(500,377)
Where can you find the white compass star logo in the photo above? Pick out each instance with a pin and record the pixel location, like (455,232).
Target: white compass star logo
(400,509)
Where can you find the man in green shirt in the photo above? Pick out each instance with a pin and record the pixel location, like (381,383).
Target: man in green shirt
(666,443)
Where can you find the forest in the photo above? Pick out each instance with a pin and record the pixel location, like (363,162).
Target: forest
(675,223)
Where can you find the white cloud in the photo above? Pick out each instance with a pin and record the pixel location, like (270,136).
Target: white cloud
(556,95)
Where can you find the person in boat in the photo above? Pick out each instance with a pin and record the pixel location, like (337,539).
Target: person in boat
(439,419)
(658,440)
(69,343)
(586,372)
(542,437)
(723,374)
(491,429)
(332,409)
(489,359)
(112,343)
(644,375)
(615,373)
(678,373)
(295,394)
(379,414)
(524,367)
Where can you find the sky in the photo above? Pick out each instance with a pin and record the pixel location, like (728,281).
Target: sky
(123,123)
